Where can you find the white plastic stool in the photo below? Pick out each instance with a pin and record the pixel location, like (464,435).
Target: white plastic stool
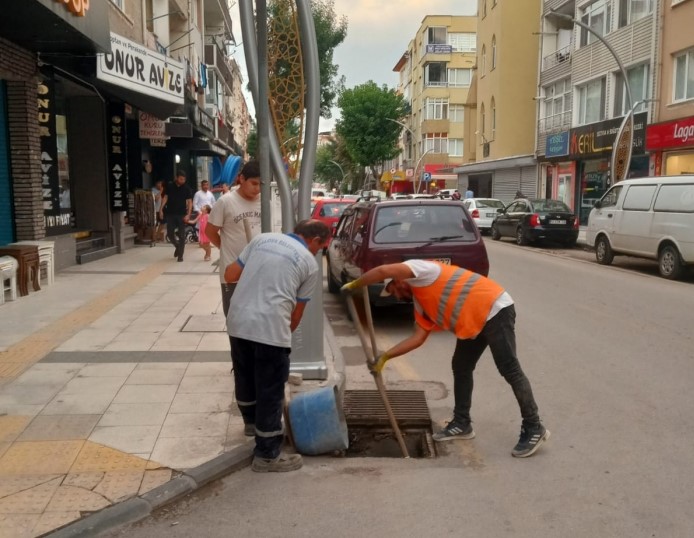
(8,272)
(46,253)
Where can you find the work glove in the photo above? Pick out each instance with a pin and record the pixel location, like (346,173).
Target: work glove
(350,287)
(377,366)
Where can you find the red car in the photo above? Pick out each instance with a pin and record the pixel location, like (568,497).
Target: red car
(329,210)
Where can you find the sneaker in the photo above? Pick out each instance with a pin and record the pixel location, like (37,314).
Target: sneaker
(249,430)
(530,440)
(454,431)
(281,464)
(180,258)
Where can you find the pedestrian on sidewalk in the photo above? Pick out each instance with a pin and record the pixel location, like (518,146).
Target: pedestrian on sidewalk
(203,197)
(176,205)
(481,314)
(157,193)
(276,275)
(234,218)
(201,221)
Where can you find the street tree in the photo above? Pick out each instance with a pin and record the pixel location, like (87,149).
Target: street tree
(365,110)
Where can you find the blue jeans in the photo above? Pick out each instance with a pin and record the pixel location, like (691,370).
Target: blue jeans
(260,372)
(499,334)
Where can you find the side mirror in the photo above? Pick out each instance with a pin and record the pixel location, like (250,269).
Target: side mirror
(500,210)
(597,204)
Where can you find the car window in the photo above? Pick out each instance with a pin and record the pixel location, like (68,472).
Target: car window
(638,197)
(422,223)
(513,207)
(344,226)
(489,203)
(611,197)
(550,205)
(333,210)
(359,229)
(676,198)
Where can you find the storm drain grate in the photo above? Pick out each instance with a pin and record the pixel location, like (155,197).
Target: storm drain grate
(370,432)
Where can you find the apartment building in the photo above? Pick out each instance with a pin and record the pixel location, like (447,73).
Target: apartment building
(670,140)
(435,75)
(583,97)
(500,157)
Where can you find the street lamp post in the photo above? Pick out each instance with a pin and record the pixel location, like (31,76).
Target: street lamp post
(412,136)
(341,170)
(416,170)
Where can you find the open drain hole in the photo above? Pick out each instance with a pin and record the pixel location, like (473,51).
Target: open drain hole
(382,443)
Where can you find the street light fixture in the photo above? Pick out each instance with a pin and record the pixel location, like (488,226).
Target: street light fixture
(416,169)
(412,136)
(341,170)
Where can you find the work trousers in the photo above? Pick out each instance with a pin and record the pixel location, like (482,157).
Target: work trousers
(176,232)
(499,334)
(227,292)
(260,373)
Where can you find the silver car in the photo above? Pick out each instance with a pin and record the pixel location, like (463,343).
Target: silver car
(483,211)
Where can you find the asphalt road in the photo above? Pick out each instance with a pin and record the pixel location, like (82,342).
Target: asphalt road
(610,354)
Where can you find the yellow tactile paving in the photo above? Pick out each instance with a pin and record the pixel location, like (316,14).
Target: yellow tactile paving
(53,520)
(95,457)
(30,501)
(72,499)
(11,426)
(153,479)
(120,485)
(9,485)
(17,525)
(31,349)
(83,480)
(39,457)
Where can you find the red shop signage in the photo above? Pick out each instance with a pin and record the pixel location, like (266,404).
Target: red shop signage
(673,134)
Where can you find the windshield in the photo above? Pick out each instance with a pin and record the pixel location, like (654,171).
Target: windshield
(550,205)
(421,223)
(481,203)
(333,209)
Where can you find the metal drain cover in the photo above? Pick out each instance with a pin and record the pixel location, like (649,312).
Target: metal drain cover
(364,408)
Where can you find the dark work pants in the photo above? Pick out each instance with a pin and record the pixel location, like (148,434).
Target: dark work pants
(499,334)
(176,232)
(227,292)
(260,372)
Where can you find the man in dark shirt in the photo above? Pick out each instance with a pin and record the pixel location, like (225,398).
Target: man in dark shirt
(176,205)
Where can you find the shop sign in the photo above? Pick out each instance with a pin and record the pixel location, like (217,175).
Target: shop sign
(673,134)
(117,162)
(557,145)
(135,67)
(78,8)
(598,138)
(157,142)
(151,126)
(439,49)
(50,180)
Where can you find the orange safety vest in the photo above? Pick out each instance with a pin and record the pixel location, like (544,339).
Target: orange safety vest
(458,300)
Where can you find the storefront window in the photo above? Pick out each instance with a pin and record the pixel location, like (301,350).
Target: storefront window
(595,180)
(679,163)
(63,164)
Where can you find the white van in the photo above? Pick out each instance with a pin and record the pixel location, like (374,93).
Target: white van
(649,218)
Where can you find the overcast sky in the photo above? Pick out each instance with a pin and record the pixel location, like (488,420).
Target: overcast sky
(378,32)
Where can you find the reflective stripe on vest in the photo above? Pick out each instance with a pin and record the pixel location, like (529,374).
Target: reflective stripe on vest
(458,308)
(446,295)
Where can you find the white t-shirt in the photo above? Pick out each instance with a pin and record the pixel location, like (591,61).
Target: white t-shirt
(201,199)
(228,214)
(278,272)
(426,273)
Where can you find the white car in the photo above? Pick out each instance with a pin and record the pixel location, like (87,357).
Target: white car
(483,211)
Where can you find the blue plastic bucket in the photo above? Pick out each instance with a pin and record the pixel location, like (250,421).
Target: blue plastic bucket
(318,425)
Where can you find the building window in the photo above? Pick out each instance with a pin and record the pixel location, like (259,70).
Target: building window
(120,4)
(493,52)
(436,35)
(463,42)
(631,11)
(493,107)
(591,101)
(459,78)
(556,106)
(597,16)
(436,142)
(456,113)
(436,108)
(482,120)
(455,147)
(435,74)
(484,59)
(684,76)
(638,82)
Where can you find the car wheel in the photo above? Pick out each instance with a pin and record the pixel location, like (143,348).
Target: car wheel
(520,236)
(670,262)
(333,285)
(603,251)
(495,232)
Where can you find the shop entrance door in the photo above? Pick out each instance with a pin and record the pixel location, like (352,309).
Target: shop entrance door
(6,226)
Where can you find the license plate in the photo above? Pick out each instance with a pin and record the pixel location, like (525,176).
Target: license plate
(490,215)
(557,222)
(445,261)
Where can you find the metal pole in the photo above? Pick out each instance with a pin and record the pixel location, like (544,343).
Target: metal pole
(263,115)
(341,170)
(416,170)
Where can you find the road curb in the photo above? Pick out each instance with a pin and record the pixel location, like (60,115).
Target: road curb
(138,508)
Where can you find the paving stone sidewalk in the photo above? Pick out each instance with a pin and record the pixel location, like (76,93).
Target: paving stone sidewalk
(112,381)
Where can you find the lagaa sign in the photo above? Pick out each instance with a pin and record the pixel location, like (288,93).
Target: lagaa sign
(135,67)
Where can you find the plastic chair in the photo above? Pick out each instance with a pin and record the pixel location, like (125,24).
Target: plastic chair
(8,273)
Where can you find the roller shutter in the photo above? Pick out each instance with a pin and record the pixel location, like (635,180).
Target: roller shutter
(6,225)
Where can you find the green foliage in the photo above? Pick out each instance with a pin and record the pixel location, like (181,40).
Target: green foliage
(365,110)
(252,144)
(330,32)
(331,174)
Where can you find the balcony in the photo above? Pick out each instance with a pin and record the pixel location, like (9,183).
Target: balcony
(556,122)
(214,57)
(557,57)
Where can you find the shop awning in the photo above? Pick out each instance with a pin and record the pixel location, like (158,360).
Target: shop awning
(498,164)
(158,107)
(201,146)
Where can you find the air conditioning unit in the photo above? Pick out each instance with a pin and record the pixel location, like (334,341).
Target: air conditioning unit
(485,149)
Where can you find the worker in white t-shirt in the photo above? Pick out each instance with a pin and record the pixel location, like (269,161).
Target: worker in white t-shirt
(203,197)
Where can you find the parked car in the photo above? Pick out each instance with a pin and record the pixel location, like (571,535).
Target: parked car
(371,233)
(329,210)
(531,220)
(483,211)
(650,218)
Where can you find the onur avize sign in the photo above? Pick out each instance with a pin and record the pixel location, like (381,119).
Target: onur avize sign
(135,67)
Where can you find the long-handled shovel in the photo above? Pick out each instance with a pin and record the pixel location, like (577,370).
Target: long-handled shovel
(371,357)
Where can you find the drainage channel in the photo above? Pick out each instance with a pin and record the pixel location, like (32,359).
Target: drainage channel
(370,433)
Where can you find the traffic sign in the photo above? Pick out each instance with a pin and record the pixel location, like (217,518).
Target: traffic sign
(426,176)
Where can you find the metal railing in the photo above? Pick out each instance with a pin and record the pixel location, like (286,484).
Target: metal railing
(555,58)
(555,121)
